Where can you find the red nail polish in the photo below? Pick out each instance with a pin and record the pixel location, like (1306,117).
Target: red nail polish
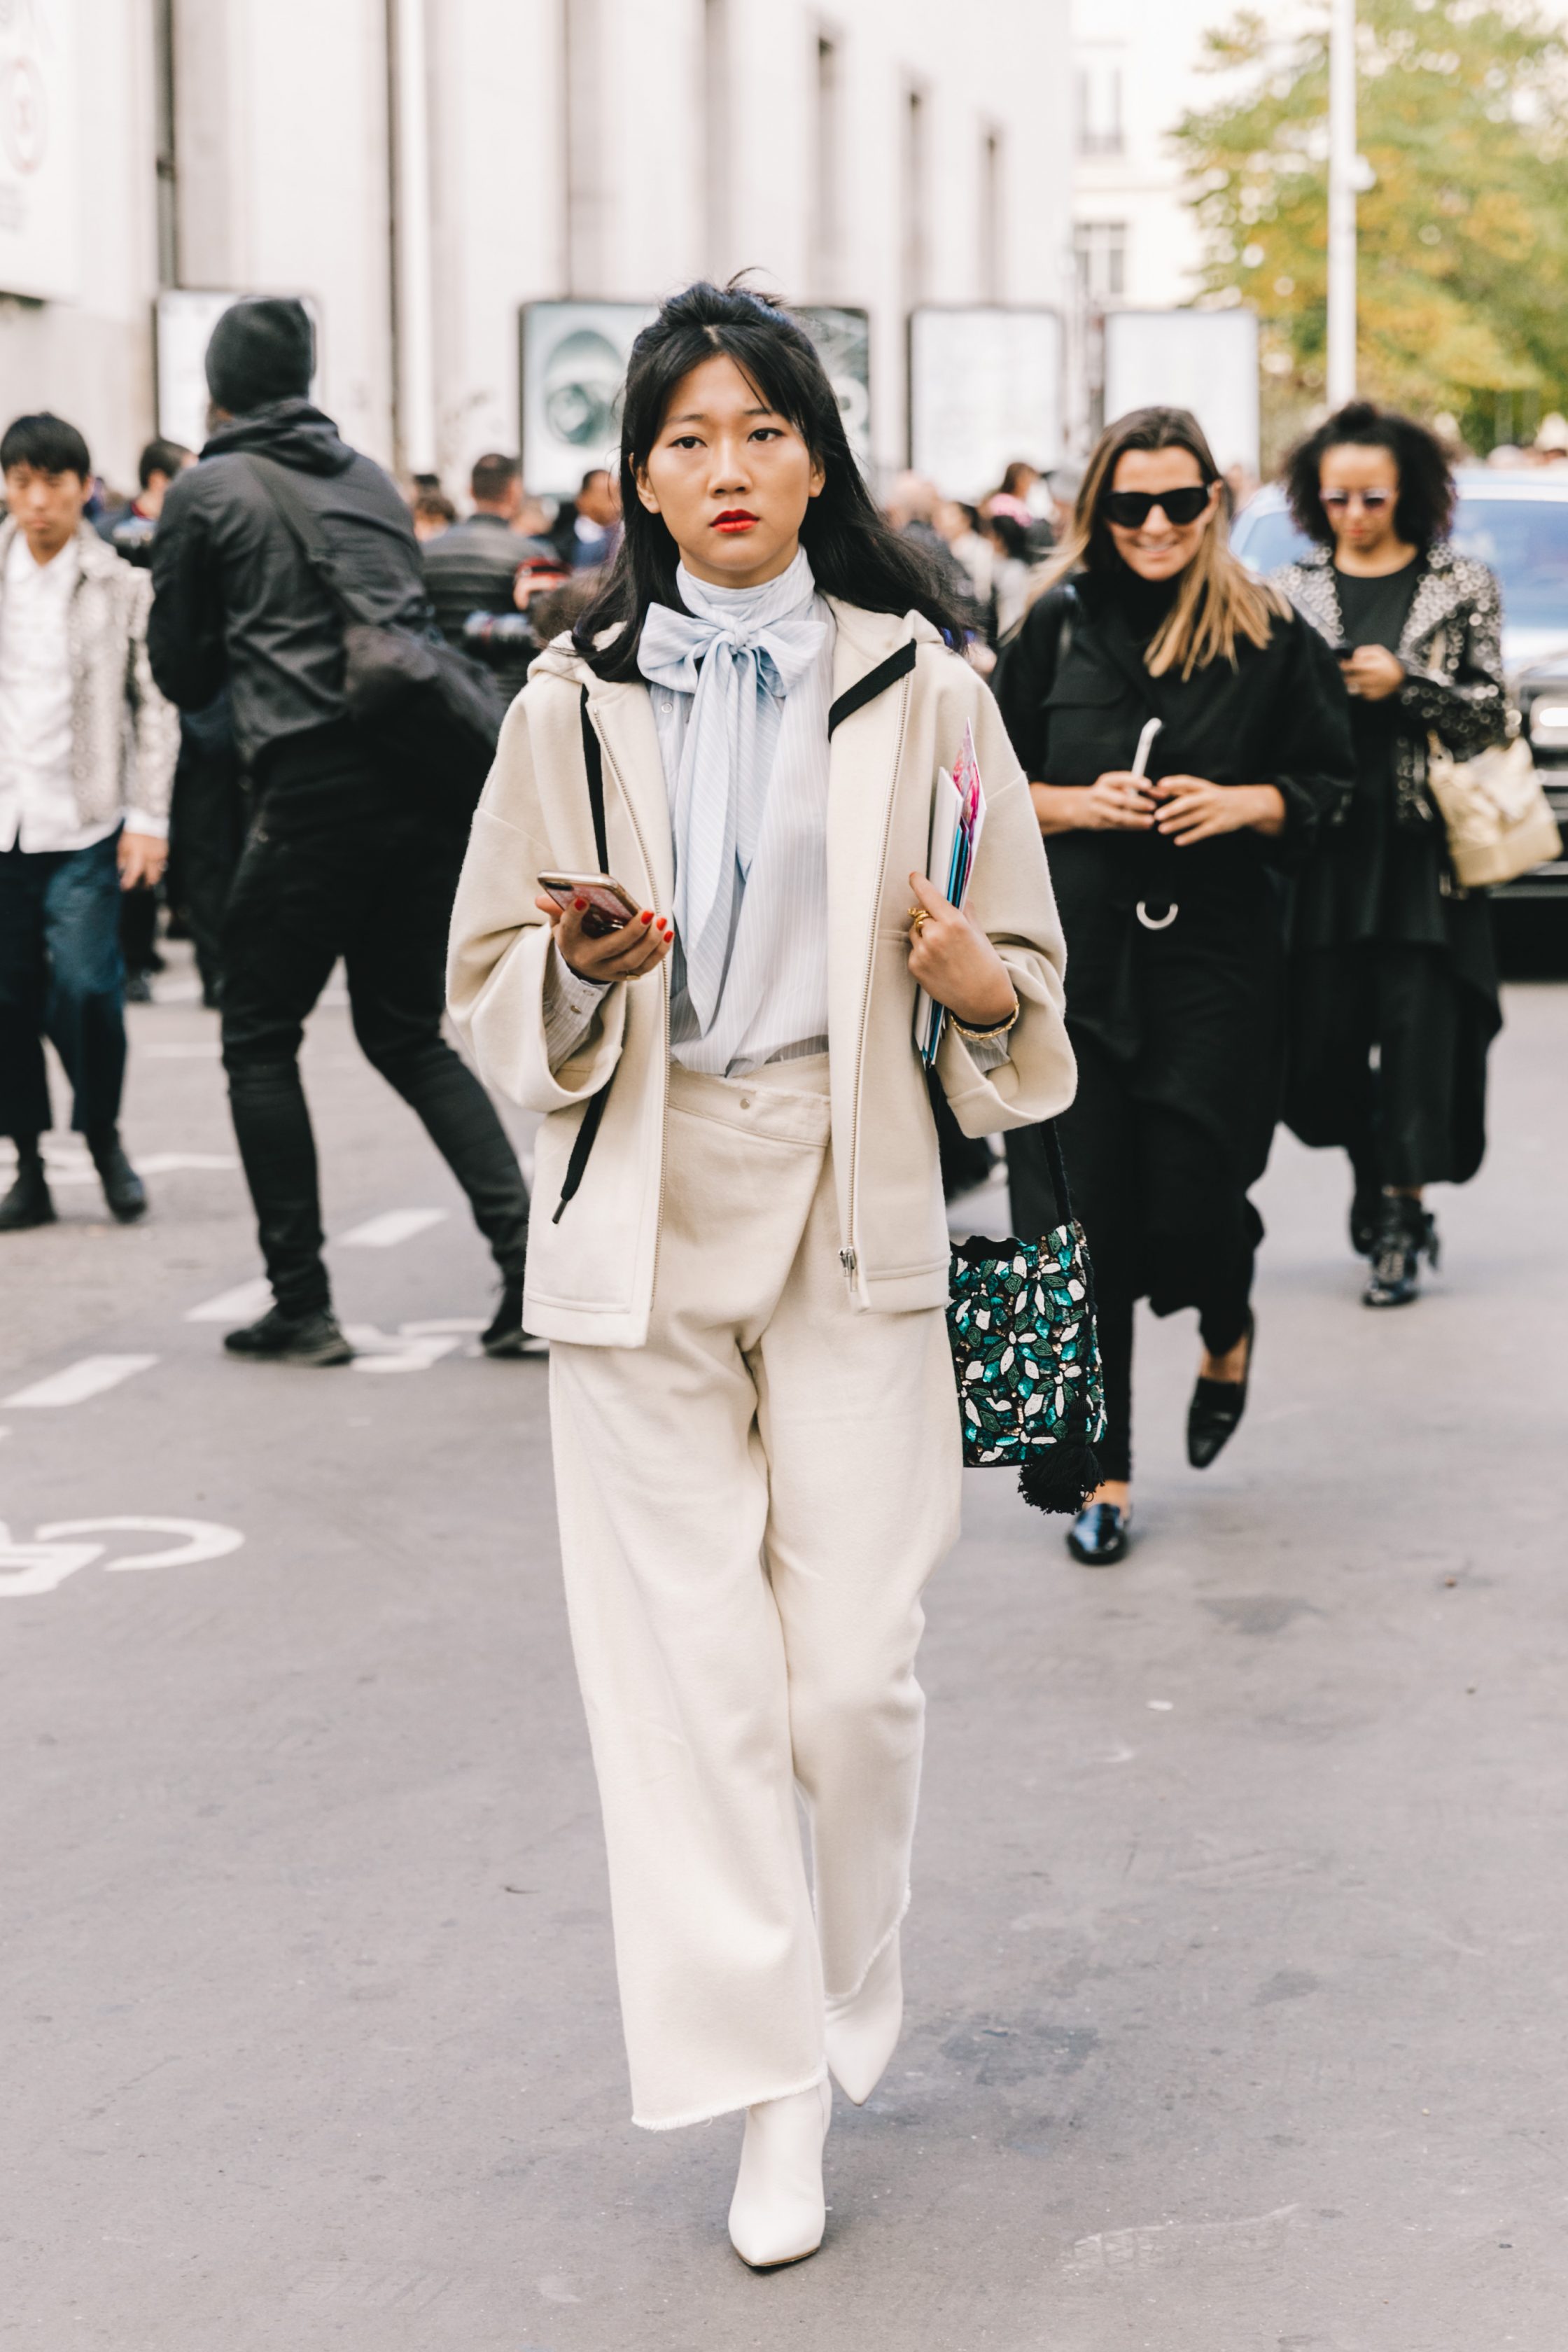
(579,904)
(648,916)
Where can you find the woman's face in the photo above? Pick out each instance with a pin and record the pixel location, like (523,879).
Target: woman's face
(1359,486)
(1157,547)
(732,478)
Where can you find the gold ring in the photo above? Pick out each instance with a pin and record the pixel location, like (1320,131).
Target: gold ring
(917,918)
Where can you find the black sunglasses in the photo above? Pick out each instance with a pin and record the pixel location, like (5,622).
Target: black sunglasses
(1130,509)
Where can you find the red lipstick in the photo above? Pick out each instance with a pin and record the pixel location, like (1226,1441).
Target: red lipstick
(734,520)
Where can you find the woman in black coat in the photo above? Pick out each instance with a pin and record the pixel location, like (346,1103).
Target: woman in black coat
(1393,985)
(1168,883)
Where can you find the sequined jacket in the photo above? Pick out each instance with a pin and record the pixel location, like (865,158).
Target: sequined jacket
(1451,646)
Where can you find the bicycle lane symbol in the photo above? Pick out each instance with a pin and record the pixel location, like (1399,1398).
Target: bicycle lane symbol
(57,1550)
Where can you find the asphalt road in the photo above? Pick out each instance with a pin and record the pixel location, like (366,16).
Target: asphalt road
(1237,1964)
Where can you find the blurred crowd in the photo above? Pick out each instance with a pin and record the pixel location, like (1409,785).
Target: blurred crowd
(507,572)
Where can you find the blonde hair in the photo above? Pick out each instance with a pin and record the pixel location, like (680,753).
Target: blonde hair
(1218,600)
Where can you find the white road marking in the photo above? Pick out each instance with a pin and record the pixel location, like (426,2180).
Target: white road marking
(387,1231)
(63,1171)
(202,1049)
(44,1565)
(379,1351)
(461,1324)
(203,1539)
(166,1163)
(29,1569)
(90,1378)
(242,1305)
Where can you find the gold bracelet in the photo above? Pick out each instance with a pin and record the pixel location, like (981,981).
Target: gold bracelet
(997,1028)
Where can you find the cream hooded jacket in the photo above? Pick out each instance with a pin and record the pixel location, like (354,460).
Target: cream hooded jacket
(591,1276)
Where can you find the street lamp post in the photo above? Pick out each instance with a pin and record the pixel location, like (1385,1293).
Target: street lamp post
(1343,174)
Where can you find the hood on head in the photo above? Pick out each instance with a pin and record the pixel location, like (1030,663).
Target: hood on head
(289,430)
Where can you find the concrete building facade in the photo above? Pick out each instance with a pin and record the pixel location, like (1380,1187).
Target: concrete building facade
(421,169)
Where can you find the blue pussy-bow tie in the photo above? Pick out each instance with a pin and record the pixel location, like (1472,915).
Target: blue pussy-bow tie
(736,665)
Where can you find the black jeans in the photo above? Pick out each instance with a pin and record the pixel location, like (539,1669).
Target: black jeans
(61,976)
(1162,1216)
(324,875)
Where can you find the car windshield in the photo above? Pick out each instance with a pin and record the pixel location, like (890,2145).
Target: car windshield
(1266,538)
(1525,541)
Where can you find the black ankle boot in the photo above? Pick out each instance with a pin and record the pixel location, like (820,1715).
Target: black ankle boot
(1366,1204)
(1404,1233)
(28,1202)
(123,1188)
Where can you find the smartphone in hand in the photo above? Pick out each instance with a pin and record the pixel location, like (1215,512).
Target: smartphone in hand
(610,907)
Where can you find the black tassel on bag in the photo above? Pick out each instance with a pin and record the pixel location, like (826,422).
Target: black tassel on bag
(1062,1478)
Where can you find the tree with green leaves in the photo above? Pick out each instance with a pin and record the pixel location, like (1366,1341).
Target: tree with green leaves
(1463,265)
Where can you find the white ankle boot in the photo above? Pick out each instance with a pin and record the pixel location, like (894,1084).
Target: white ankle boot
(863,2032)
(778,2212)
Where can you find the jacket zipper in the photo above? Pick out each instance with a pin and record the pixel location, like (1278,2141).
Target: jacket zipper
(848,1257)
(647,876)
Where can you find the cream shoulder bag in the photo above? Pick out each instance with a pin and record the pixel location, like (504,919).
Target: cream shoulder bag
(1499,820)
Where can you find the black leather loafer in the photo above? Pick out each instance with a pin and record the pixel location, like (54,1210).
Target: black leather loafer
(1217,1409)
(1098,1535)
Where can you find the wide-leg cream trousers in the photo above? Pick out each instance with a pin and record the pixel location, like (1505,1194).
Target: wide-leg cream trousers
(750,1505)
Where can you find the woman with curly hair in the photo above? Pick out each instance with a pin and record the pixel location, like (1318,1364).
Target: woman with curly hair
(1393,989)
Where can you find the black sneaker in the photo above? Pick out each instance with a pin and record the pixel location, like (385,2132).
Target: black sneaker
(506,1336)
(123,1188)
(28,1202)
(280,1339)
(1405,1235)
(138,988)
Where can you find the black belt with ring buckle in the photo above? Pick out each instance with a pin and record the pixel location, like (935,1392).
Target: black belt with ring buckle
(1157,922)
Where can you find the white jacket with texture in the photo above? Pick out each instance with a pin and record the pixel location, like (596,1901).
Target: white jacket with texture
(591,1276)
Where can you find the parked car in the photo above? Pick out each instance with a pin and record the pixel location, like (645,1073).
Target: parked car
(1519,524)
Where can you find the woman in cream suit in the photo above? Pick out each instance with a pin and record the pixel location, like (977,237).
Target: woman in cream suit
(740,1254)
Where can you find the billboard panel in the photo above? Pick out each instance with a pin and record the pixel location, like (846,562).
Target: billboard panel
(985,386)
(184,323)
(1203,359)
(574,359)
(843,339)
(39,97)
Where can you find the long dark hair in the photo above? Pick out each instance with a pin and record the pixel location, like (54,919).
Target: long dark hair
(853,553)
(1218,600)
(1424,506)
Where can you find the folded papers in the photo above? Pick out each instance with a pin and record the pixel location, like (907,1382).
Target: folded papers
(957,820)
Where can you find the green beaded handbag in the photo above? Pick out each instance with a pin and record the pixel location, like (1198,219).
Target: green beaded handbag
(1020,1318)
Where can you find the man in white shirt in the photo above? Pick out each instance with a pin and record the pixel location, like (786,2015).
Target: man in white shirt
(88,747)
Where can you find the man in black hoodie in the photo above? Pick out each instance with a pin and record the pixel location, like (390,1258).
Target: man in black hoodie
(346,857)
